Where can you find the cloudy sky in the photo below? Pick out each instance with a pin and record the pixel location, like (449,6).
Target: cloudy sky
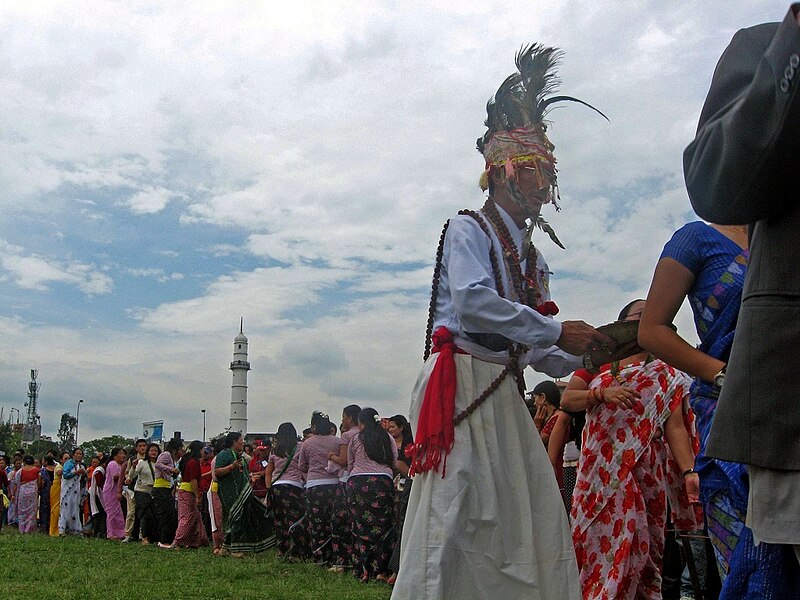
(168,168)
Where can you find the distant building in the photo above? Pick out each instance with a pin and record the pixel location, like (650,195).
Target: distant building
(240,366)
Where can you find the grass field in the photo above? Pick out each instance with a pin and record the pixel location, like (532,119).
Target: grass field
(36,567)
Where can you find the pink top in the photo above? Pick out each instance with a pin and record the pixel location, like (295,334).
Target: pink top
(293,473)
(360,464)
(347,437)
(313,459)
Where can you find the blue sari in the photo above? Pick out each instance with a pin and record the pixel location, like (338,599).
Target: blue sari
(719,266)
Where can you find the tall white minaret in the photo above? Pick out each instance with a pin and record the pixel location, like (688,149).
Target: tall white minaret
(240,367)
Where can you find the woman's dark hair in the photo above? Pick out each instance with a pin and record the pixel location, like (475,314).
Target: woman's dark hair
(194,451)
(147,452)
(230,438)
(27,459)
(286,440)
(551,392)
(320,423)
(62,455)
(402,423)
(173,445)
(352,410)
(218,444)
(623,314)
(377,441)
(114,451)
(49,461)
(74,450)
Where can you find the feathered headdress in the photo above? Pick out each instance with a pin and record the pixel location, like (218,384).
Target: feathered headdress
(516,130)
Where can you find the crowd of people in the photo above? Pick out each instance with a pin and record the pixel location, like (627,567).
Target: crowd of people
(336,496)
(572,495)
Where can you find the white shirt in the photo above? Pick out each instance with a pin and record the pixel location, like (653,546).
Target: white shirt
(468,300)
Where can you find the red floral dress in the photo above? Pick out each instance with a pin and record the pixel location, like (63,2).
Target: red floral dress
(625,477)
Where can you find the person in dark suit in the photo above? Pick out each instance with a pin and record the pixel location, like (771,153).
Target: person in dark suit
(744,167)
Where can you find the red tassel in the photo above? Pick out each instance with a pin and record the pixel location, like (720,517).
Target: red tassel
(435,428)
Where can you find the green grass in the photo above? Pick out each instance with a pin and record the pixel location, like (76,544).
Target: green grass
(37,566)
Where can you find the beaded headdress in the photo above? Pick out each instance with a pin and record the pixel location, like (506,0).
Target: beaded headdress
(516,131)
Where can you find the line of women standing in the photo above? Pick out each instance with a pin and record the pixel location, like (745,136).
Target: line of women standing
(365,457)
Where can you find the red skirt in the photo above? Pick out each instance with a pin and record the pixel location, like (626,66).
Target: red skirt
(191,533)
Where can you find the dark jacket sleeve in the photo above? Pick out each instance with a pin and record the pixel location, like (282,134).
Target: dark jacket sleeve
(744,164)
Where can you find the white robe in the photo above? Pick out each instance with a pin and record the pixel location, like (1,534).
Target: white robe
(495,525)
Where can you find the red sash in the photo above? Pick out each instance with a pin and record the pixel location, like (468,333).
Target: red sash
(435,429)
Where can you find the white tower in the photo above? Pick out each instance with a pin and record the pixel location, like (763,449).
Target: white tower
(240,367)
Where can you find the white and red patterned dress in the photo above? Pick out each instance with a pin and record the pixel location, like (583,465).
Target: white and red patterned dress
(626,476)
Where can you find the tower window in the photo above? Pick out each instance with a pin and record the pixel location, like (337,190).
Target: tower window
(240,346)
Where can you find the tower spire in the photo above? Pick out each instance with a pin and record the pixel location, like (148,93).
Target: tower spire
(239,366)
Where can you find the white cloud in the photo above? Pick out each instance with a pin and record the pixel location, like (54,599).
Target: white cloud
(150,200)
(330,139)
(33,272)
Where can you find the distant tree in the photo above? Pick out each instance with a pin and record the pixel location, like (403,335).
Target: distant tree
(66,432)
(40,447)
(106,444)
(9,440)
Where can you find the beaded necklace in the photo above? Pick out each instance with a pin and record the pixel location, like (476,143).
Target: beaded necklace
(527,294)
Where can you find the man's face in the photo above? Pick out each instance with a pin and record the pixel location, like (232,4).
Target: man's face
(533,196)
(140,448)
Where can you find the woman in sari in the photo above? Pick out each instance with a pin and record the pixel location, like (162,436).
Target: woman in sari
(112,495)
(69,518)
(55,494)
(627,474)
(707,264)
(191,533)
(285,483)
(28,481)
(47,473)
(245,520)
(547,400)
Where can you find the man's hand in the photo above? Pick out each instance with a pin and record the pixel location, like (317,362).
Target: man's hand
(578,337)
